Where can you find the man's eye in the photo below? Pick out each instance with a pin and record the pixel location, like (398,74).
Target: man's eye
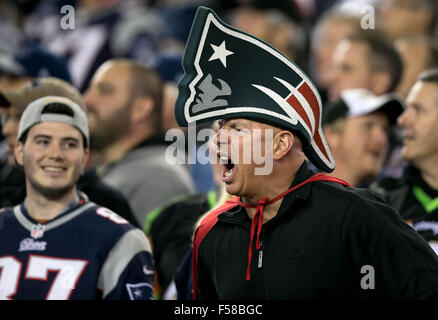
(105,89)
(42,142)
(70,145)
(417,109)
(345,68)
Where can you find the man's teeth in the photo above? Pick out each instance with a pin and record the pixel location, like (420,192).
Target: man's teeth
(53,169)
(228,173)
(224,160)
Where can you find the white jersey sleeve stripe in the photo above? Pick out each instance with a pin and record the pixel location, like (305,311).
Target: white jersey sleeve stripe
(128,246)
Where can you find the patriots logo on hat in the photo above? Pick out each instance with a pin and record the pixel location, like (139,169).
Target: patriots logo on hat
(229,73)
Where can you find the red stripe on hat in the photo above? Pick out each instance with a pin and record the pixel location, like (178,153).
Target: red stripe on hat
(311,99)
(293,101)
(320,144)
(308,94)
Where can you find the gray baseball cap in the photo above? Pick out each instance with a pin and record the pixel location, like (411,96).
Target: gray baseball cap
(36,113)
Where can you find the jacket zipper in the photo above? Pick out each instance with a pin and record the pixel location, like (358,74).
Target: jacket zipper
(261,264)
(260,259)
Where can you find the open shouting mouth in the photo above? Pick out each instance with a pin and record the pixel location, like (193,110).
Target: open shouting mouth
(227,169)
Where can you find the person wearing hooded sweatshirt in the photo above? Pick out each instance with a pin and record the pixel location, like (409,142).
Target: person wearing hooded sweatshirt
(287,233)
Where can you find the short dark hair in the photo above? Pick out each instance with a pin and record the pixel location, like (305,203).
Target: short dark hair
(382,54)
(57,108)
(145,82)
(429,76)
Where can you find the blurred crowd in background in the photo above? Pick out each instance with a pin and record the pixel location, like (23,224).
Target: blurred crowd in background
(149,31)
(380,46)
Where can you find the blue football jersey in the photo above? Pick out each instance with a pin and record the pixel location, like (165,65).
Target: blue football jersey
(87,252)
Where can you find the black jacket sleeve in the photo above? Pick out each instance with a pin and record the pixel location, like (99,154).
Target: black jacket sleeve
(206,288)
(404,265)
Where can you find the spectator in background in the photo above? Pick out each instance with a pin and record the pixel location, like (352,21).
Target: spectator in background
(86,252)
(356,127)
(415,194)
(274,26)
(86,46)
(29,63)
(183,278)
(400,18)
(418,54)
(124,104)
(170,227)
(11,34)
(170,69)
(367,60)
(364,60)
(12,183)
(20,66)
(332,27)
(103,30)
(12,105)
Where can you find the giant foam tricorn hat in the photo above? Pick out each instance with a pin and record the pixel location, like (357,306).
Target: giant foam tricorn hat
(229,73)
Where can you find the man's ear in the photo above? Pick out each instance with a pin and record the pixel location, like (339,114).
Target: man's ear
(18,152)
(380,82)
(141,109)
(283,142)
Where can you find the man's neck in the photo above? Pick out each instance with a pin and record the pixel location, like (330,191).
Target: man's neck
(429,172)
(118,149)
(269,211)
(271,189)
(42,208)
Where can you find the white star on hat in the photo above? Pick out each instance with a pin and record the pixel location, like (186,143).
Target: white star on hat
(221,53)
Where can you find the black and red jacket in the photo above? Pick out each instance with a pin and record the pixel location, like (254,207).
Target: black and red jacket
(318,246)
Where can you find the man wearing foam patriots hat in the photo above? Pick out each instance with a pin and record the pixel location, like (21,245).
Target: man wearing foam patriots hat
(288,233)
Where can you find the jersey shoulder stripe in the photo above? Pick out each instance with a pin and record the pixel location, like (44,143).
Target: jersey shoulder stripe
(127,247)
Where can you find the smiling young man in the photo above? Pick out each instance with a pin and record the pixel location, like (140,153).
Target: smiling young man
(57,244)
(288,233)
(12,181)
(357,128)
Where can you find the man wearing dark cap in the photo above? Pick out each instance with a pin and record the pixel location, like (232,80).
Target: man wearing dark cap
(31,62)
(288,233)
(357,126)
(56,244)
